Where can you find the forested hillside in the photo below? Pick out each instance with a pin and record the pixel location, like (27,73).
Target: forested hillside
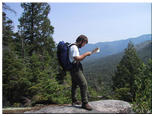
(28,56)
(30,67)
(31,72)
(32,75)
(100,73)
(102,69)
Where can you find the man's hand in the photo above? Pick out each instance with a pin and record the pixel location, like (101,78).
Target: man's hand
(95,50)
(89,53)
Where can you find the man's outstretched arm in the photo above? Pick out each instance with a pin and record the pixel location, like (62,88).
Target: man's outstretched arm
(81,57)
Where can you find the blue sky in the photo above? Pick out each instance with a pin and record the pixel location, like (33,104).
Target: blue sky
(100,22)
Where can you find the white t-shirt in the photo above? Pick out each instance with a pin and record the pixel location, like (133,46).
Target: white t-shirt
(73,51)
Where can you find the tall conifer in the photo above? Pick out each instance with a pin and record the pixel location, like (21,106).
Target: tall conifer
(126,71)
(35,28)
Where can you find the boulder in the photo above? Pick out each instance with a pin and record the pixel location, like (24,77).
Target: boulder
(102,106)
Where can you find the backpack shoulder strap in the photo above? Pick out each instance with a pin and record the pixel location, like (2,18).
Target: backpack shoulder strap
(72,45)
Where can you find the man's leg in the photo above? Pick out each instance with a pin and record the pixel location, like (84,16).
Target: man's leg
(83,87)
(79,79)
(74,88)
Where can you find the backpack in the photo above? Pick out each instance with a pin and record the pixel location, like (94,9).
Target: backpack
(63,55)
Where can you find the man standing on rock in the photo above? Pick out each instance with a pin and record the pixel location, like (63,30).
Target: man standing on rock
(78,78)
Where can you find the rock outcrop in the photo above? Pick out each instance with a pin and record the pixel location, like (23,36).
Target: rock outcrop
(102,106)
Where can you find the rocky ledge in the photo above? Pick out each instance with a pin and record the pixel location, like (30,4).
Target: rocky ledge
(102,106)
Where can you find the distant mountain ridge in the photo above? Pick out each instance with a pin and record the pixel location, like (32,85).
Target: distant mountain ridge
(102,69)
(110,48)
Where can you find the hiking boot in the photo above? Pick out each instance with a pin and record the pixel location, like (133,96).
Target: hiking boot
(86,106)
(76,103)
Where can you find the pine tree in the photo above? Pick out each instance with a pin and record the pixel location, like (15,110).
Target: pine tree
(7,31)
(35,29)
(29,60)
(15,79)
(123,81)
(14,71)
(7,35)
(38,51)
(143,95)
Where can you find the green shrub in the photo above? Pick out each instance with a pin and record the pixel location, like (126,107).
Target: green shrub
(122,94)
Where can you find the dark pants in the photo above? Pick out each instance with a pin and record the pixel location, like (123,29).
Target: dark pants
(78,79)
